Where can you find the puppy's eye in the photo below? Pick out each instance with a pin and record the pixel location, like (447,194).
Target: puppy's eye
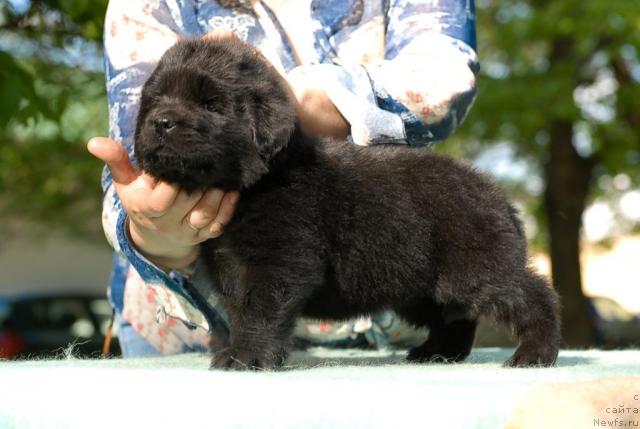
(212,106)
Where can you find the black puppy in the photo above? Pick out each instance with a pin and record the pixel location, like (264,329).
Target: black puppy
(329,230)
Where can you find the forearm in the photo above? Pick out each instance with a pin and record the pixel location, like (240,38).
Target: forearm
(422,90)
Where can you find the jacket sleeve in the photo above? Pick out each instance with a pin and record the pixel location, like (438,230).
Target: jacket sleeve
(134,39)
(422,89)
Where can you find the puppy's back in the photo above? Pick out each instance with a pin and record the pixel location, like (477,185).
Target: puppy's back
(439,187)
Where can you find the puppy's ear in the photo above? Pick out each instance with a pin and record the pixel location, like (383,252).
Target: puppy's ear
(273,118)
(247,113)
(254,166)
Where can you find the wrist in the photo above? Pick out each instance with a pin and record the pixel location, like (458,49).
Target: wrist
(163,253)
(317,113)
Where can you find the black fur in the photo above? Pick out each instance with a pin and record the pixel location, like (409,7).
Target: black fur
(330,230)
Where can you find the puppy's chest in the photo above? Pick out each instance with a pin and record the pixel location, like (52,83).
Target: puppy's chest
(262,241)
(225,269)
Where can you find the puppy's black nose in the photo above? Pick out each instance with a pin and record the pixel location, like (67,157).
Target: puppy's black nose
(163,125)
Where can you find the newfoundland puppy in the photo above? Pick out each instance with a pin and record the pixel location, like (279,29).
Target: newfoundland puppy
(329,230)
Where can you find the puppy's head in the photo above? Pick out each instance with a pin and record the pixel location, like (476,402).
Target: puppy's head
(213,113)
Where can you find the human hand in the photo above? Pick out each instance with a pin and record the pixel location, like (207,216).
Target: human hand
(165,223)
(316,112)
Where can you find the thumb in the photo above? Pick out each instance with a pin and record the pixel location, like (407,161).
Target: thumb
(115,156)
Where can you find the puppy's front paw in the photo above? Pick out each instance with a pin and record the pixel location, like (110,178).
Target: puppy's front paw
(242,360)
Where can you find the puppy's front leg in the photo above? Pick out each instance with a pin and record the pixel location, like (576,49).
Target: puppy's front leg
(262,318)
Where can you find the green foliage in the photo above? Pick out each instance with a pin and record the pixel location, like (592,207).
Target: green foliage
(87,14)
(569,60)
(16,87)
(48,111)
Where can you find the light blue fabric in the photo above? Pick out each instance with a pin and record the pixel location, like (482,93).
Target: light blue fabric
(131,343)
(321,388)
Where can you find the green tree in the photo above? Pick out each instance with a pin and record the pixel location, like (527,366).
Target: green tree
(560,84)
(53,100)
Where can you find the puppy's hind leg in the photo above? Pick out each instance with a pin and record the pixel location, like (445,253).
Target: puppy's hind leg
(450,337)
(524,301)
(536,321)
(514,296)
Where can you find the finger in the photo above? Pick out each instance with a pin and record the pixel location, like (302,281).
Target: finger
(183,204)
(162,198)
(224,216)
(115,156)
(207,208)
(212,230)
(227,207)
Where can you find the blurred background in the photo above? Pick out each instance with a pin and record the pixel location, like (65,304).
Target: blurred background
(556,122)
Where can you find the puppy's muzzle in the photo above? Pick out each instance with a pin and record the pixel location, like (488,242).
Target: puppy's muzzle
(163,125)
